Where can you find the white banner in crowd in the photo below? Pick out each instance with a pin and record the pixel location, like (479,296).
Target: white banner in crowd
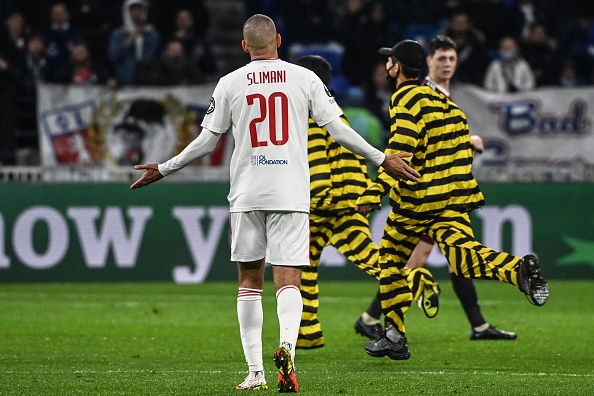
(119,128)
(542,135)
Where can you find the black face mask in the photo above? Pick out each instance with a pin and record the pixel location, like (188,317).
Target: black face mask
(391,79)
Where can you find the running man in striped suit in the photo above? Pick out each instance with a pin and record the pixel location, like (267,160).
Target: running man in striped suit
(337,178)
(441,61)
(435,130)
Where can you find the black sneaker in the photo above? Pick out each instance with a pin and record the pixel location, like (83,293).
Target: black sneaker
(384,347)
(531,283)
(491,333)
(373,332)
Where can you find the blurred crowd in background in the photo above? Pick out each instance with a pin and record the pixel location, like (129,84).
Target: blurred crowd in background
(169,42)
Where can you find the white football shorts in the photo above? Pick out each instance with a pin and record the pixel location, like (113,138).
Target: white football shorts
(281,237)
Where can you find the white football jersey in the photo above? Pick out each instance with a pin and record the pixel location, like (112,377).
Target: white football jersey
(267,104)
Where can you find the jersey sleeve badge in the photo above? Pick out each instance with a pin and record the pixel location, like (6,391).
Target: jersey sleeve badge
(211,106)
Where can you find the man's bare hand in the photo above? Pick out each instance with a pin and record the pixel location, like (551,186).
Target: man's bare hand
(477,143)
(396,167)
(151,175)
(364,209)
(367,208)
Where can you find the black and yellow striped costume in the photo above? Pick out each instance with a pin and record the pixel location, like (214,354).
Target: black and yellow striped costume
(337,178)
(435,130)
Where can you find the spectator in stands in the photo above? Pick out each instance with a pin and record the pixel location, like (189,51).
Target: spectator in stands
(172,68)
(82,70)
(163,14)
(360,54)
(520,15)
(36,70)
(473,57)
(135,44)
(12,65)
(35,12)
(91,17)
(196,48)
(510,73)
(568,77)
(60,36)
(14,33)
(540,51)
(36,67)
(489,16)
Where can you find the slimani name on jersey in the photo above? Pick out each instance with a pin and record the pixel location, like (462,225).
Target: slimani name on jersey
(267,77)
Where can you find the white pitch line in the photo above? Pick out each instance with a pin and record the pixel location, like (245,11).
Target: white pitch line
(410,372)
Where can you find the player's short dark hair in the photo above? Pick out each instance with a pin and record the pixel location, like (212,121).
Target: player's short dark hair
(318,65)
(441,42)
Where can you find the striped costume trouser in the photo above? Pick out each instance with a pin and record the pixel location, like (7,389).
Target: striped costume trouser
(453,234)
(348,231)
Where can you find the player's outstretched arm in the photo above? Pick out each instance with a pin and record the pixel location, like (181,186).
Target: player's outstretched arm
(393,164)
(204,144)
(150,175)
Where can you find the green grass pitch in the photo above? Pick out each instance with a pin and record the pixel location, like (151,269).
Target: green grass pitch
(166,339)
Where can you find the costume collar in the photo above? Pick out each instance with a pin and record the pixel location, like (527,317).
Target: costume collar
(409,82)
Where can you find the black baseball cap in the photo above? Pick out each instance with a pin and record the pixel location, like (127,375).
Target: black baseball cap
(408,52)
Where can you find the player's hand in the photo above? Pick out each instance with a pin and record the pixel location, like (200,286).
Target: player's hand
(367,208)
(364,209)
(477,143)
(151,175)
(396,167)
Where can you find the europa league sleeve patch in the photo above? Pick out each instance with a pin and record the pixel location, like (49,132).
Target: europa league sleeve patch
(211,106)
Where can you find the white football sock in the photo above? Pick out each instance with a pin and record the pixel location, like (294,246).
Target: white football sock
(251,318)
(289,307)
